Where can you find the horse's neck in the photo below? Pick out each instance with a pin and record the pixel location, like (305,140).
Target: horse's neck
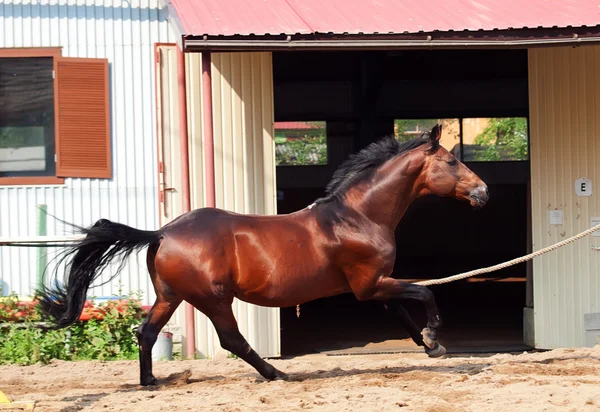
(389,193)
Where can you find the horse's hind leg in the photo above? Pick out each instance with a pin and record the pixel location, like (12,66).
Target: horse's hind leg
(163,308)
(398,311)
(148,331)
(221,315)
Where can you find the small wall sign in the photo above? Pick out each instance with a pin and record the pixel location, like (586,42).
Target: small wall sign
(583,186)
(555,217)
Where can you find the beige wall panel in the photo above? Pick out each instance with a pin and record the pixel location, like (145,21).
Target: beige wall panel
(564,87)
(170,151)
(242,87)
(205,334)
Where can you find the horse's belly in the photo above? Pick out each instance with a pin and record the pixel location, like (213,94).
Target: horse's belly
(291,289)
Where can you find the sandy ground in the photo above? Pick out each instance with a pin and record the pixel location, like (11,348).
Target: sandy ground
(545,381)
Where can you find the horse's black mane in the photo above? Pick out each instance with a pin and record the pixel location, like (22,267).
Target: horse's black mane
(358,165)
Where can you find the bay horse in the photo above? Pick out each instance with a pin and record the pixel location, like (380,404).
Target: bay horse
(342,243)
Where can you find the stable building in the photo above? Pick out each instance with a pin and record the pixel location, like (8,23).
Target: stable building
(252,106)
(358,71)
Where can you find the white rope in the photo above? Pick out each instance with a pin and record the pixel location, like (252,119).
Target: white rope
(41,240)
(509,263)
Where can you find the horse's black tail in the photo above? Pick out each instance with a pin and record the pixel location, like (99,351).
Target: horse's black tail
(61,305)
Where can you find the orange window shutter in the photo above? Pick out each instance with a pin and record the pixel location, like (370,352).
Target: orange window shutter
(83,147)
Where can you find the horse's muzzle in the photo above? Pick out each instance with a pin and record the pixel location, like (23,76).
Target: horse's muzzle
(479,196)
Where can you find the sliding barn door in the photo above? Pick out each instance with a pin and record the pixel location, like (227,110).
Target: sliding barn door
(242,86)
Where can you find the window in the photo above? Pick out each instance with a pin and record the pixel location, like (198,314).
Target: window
(27,121)
(495,139)
(54,119)
(301,143)
(407,129)
(486,139)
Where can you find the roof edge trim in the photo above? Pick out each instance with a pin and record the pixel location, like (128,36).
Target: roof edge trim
(175,22)
(196,44)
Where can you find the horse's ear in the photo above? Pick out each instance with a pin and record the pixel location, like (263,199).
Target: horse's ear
(436,132)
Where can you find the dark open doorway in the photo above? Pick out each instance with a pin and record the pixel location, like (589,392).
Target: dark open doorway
(328,105)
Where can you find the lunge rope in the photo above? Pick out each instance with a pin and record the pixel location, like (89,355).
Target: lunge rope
(499,266)
(509,263)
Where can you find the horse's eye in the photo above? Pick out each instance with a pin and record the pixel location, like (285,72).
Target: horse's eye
(452,162)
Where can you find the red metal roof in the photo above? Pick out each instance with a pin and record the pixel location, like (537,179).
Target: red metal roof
(261,17)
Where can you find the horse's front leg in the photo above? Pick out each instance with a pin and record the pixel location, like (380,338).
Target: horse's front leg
(398,311)
(389,289)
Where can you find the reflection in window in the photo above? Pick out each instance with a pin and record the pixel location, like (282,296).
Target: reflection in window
(486,139)
(408,129)
(22,149)
(27,120)
(495,139)
(301,143)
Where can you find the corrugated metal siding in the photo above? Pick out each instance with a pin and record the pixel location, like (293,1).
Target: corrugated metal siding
(244,168)
(564,87)
(123,32)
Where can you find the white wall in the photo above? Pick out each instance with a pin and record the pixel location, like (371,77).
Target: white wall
(125,33)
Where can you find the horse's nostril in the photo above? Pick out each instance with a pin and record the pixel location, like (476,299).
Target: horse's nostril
(480,194)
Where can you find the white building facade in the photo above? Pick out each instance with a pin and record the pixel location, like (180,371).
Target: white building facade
(122,34)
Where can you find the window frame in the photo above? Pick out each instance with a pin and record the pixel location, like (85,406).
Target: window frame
(55,53)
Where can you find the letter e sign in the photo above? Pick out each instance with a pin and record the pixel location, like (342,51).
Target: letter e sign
(583,187)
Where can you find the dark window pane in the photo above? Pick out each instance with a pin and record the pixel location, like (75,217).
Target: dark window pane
(26,117)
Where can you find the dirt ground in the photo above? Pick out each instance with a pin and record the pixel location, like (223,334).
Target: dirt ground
(544,381)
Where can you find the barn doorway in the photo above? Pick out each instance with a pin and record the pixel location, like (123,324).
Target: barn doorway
(331,104)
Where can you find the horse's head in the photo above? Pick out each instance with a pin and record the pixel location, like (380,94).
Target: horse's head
(444,175)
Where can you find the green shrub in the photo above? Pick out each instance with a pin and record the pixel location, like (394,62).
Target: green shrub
(503,138)
(307,150)
(109,338)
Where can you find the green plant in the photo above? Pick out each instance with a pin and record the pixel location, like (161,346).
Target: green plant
(11,309)
(408,129)
(24,345)
(112,337)
(503,138)
(108,338)
(307,150)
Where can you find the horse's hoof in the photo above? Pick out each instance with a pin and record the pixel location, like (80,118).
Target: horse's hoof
(280,376)
(437,351)
(151,381)
(429,338)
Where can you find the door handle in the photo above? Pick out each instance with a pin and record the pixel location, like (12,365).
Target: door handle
(166,189)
